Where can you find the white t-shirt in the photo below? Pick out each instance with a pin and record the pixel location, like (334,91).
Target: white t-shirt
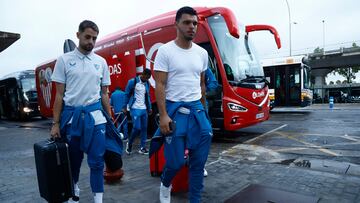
(184,68)
(139,95)
(83,76)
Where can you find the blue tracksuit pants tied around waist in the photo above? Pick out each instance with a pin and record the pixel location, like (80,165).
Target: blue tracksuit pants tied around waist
(193,131)
(95,157)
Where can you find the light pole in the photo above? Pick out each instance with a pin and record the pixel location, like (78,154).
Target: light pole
(323,22)
(288,7)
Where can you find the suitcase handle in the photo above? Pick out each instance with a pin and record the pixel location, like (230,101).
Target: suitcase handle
(52,140)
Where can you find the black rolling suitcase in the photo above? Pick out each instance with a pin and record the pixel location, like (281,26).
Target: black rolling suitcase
(53,170)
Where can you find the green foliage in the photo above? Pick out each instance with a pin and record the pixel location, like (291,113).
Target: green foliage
(318,50)
(348,73)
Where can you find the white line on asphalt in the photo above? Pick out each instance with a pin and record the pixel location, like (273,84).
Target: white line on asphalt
(309,144)
(262,135)
(213,162)
(350,138)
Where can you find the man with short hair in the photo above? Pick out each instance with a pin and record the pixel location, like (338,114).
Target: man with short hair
(180,92)
(81,107)
(138,98)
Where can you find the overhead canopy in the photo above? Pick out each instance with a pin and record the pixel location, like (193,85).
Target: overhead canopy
(6,39)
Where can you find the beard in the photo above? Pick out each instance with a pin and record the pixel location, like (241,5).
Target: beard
(187,36)
(87,47)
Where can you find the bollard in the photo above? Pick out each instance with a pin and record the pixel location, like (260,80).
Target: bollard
(331,102)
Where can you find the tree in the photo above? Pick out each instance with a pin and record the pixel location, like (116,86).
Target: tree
(331,83)
(338,82)
(318,50)
(350,72)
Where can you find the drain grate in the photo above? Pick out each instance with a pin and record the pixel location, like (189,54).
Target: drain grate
(264,194)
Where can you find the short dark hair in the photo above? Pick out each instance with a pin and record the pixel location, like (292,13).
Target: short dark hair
(88,24)
(147,72)
(185,10)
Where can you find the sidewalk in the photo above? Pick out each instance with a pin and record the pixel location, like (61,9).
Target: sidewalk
(314,107)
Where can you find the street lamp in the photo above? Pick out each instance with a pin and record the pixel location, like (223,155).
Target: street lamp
(323,22)
(288,7)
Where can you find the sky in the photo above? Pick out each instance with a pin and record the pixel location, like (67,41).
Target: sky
(45,24)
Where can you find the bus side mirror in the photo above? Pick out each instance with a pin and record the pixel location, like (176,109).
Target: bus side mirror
(69,45)
(253,28)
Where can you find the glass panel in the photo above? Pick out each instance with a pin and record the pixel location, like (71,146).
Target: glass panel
(306,79)
(238,55)
(28,84)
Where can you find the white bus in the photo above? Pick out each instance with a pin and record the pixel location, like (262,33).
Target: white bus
(289,80)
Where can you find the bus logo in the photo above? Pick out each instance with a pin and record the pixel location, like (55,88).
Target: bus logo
(256,95)
(46,85)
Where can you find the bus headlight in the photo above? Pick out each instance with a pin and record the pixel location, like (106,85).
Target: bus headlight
(236,107)
(27,110)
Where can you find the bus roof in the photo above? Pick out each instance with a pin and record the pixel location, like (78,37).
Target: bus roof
(282,61)
(161,20)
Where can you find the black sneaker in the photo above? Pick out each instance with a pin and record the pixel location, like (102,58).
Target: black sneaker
(128,149)
(143,151)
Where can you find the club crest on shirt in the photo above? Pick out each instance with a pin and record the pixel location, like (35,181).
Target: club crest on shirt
(72,63)
(168,139)
(97,66)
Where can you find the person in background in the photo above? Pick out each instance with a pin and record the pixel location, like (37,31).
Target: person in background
(211,85)
(138,98)
(117,101)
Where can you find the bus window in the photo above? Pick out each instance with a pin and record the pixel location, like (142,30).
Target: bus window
(306,79)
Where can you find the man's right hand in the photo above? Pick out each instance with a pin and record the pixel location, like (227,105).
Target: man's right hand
(164,124)
(55,130)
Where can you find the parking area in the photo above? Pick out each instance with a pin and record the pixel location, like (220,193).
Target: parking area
(312,151)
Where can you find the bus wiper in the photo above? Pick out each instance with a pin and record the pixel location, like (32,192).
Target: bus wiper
(253,79)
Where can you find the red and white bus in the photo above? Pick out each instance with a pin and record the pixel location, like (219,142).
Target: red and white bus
(242,99)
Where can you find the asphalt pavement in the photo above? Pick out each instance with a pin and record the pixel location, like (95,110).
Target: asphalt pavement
(290,152)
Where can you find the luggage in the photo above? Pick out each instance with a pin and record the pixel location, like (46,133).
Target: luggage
(53,170)
(180,183)
(113,162)
(157,162)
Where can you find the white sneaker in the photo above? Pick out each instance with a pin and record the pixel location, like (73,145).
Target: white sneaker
(205,173)
(75,199)
(165,195)
(98,197)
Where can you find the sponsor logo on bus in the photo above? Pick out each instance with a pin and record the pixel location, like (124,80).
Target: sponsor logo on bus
(258,94)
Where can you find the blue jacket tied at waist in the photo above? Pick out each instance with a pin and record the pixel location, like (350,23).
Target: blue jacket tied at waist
(83,123)
(193,124)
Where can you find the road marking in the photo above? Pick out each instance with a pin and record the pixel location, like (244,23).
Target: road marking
(262,135)
(290,149)
(309,144)
(350,138)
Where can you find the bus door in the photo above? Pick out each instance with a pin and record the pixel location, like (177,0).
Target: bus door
(287,86)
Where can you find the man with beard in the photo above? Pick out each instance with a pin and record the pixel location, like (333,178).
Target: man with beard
(81,107)
(180,92)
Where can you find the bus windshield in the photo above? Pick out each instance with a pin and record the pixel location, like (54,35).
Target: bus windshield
(238,55)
